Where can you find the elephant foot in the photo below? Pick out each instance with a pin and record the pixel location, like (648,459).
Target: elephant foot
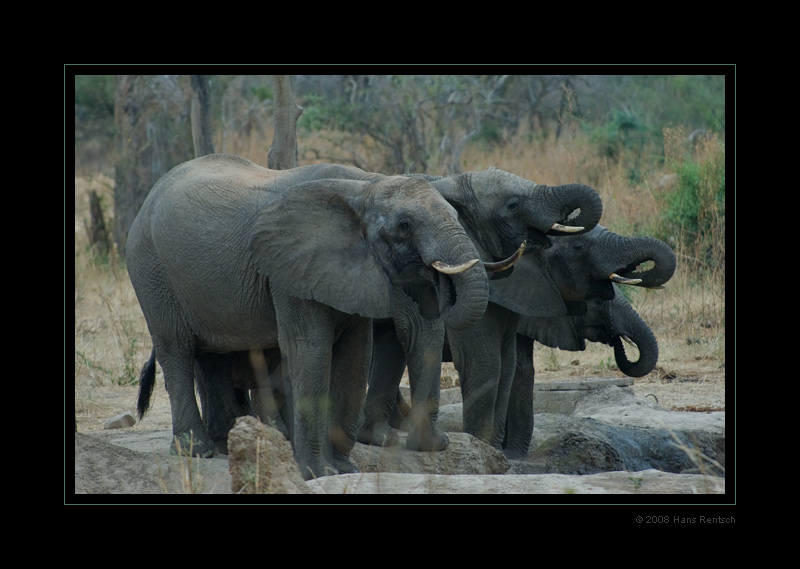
(316,469)
(515,453)
(341,461)
(428,441)
(378,435)
(186,444)
(346,466)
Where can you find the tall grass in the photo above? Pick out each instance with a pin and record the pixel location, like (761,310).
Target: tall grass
(111,340)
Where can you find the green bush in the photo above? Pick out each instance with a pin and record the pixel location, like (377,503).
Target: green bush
(694,208)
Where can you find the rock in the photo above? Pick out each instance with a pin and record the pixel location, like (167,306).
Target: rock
(464,455)
(102,466)
(121,421)
(261,460)
(611,429)
(644,482)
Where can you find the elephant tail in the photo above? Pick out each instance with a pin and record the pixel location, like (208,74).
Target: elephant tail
(147,380)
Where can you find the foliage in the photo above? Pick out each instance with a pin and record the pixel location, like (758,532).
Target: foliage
(262,93)
(94,106)
(315,115)
(693,213)
(642,105)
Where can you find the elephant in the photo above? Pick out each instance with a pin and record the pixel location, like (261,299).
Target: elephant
(494,358)
(504,215)
(605,321)
(226,256)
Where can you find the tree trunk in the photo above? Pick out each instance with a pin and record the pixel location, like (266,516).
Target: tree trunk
(98,236)
(283,152)
(150,116)
(201,116)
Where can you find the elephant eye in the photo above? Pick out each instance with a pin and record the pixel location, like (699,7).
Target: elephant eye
(513,205)
(404,226)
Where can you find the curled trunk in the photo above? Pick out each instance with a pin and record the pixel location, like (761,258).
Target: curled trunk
(645,258)
(573,206)
(617,322)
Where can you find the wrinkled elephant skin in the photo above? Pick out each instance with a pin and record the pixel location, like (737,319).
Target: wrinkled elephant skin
(228,257)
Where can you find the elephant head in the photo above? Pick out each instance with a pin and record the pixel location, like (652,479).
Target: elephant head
(613,322)
(502,210)
(585,269)
(367,237)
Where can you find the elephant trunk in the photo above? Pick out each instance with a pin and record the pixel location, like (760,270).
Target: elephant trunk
(569,209)
(662,257)
(628,325)
(464,294)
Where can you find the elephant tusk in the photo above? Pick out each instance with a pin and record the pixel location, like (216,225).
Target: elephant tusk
(623,280)
(628,340)
(508,263)
(453,269)
(566,228)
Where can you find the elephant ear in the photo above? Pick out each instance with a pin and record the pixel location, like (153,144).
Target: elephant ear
(556,332)
(530,290)
(312,243)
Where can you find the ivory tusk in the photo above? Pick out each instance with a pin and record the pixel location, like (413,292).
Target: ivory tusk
(628,340)
(566,228)
(508,263)
(623,280)
(453,269)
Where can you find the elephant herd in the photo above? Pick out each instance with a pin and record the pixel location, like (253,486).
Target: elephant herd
(300,296)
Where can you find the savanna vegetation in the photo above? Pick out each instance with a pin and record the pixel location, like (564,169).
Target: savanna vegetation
(652,146)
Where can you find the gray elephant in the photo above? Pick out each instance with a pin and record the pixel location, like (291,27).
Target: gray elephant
(610,322)
(494,359)
(501,212)
(227,256)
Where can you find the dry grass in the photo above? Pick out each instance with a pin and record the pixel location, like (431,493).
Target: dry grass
(688,318)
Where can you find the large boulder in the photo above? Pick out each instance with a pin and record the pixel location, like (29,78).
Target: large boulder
(464,455)
(261,460)
(609,429)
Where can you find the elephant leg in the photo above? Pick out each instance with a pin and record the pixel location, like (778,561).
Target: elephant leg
(306,336)
(519,420)
(508,360)
(422,341)
(269,397)
(189,434)
(476,354)
(388,363)
(350,368)
(220,400)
